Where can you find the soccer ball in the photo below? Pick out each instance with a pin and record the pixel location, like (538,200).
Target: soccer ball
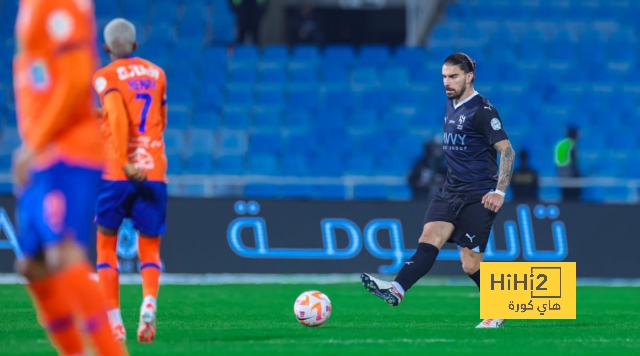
(312,308)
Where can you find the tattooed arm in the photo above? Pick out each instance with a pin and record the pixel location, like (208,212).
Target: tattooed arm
(507,155)
(494,201)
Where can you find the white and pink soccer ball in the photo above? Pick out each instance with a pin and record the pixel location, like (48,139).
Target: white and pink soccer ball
(312,308)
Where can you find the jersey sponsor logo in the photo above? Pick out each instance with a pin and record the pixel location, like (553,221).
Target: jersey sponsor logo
(142,159)
(137,70)
(101,84)
(141,84)
(495,124)
(39,78)
(452,121)
(454,142)
(60,25)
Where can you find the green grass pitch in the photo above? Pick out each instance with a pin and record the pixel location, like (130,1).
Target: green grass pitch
(259,320)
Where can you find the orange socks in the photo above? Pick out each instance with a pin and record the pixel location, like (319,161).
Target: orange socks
(108,272)
(57,315)
(149,255)
(86,298)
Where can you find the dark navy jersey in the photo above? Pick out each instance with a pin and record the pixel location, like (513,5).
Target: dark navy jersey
(471,129)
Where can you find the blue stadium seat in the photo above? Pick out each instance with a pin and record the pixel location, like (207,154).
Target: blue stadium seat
(392,165)
(410,57)
(365,77)
(338,55)
(179,95)
(275,53)
(592,194)
(363,120)
(306,55)
(334,192)
(271,97)
(263,164)
(173,141)
(104,9)
(199,163)
(333,144)
(245,54)
(374,56)
(303,191)
(411,147)
(377,144)
(10,141)
(339,99)
(210,98)
(261,191)
(273,76)
(133,9)
(298,120)
(215,56)
(207,120)
(232,165)
(235,118)
(362,165)
(174,164)
(266,118)
(303,76)
(395,122)
(395,78)
(375,99)
(232,142)
(300,144)
(264,143)
(327,166)
(5,162)
(10,119)
(399,192)
(200,141)
(411,98)
(330,120)
(335,75)
(294,165)
(239,96)
(370,192)
(194,190)
(243,75)
(303,99)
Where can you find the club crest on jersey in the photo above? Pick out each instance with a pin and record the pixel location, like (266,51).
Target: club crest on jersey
(39,78)
(461,121)
(495,124)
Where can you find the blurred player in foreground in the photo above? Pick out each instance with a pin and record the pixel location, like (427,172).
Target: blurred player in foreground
(57,170)
(133,96)
(465,207)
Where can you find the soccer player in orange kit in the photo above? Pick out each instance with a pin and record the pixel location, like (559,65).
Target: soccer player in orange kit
(57,170)
(133,96)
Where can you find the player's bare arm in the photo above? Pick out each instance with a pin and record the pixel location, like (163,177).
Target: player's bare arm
(494,201)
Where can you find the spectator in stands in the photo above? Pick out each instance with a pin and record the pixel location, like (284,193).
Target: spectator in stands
(566,158)
(525,180)
(304,26)
(249,17)
(429,172)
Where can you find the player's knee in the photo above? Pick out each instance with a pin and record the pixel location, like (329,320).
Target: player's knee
(107,232)
(431,236)
(470,267)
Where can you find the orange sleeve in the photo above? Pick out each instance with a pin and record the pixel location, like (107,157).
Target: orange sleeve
(116,113)
(74,70)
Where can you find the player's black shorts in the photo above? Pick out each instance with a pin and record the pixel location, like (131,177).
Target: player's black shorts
(472,221)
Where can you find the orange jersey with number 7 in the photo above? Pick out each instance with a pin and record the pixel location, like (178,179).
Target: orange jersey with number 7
(133,96)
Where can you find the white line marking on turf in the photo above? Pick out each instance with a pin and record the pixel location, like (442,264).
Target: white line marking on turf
(352,341)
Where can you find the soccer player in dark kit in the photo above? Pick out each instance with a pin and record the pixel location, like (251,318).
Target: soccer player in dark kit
(464,209)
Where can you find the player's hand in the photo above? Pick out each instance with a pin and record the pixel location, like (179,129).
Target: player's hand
(493,201)
(134,174)
(22,159)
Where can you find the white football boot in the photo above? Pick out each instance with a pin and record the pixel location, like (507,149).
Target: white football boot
(382,289)
(147,325)
(491,323)
(117,327)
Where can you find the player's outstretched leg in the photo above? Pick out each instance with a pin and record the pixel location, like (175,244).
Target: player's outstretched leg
(108,275)
(149,255)
(390,292)
(491,323)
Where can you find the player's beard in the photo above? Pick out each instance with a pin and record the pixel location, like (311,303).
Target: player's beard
(456,95)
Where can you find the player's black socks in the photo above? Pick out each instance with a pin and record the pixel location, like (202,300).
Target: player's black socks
(417,266)
(476,278)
